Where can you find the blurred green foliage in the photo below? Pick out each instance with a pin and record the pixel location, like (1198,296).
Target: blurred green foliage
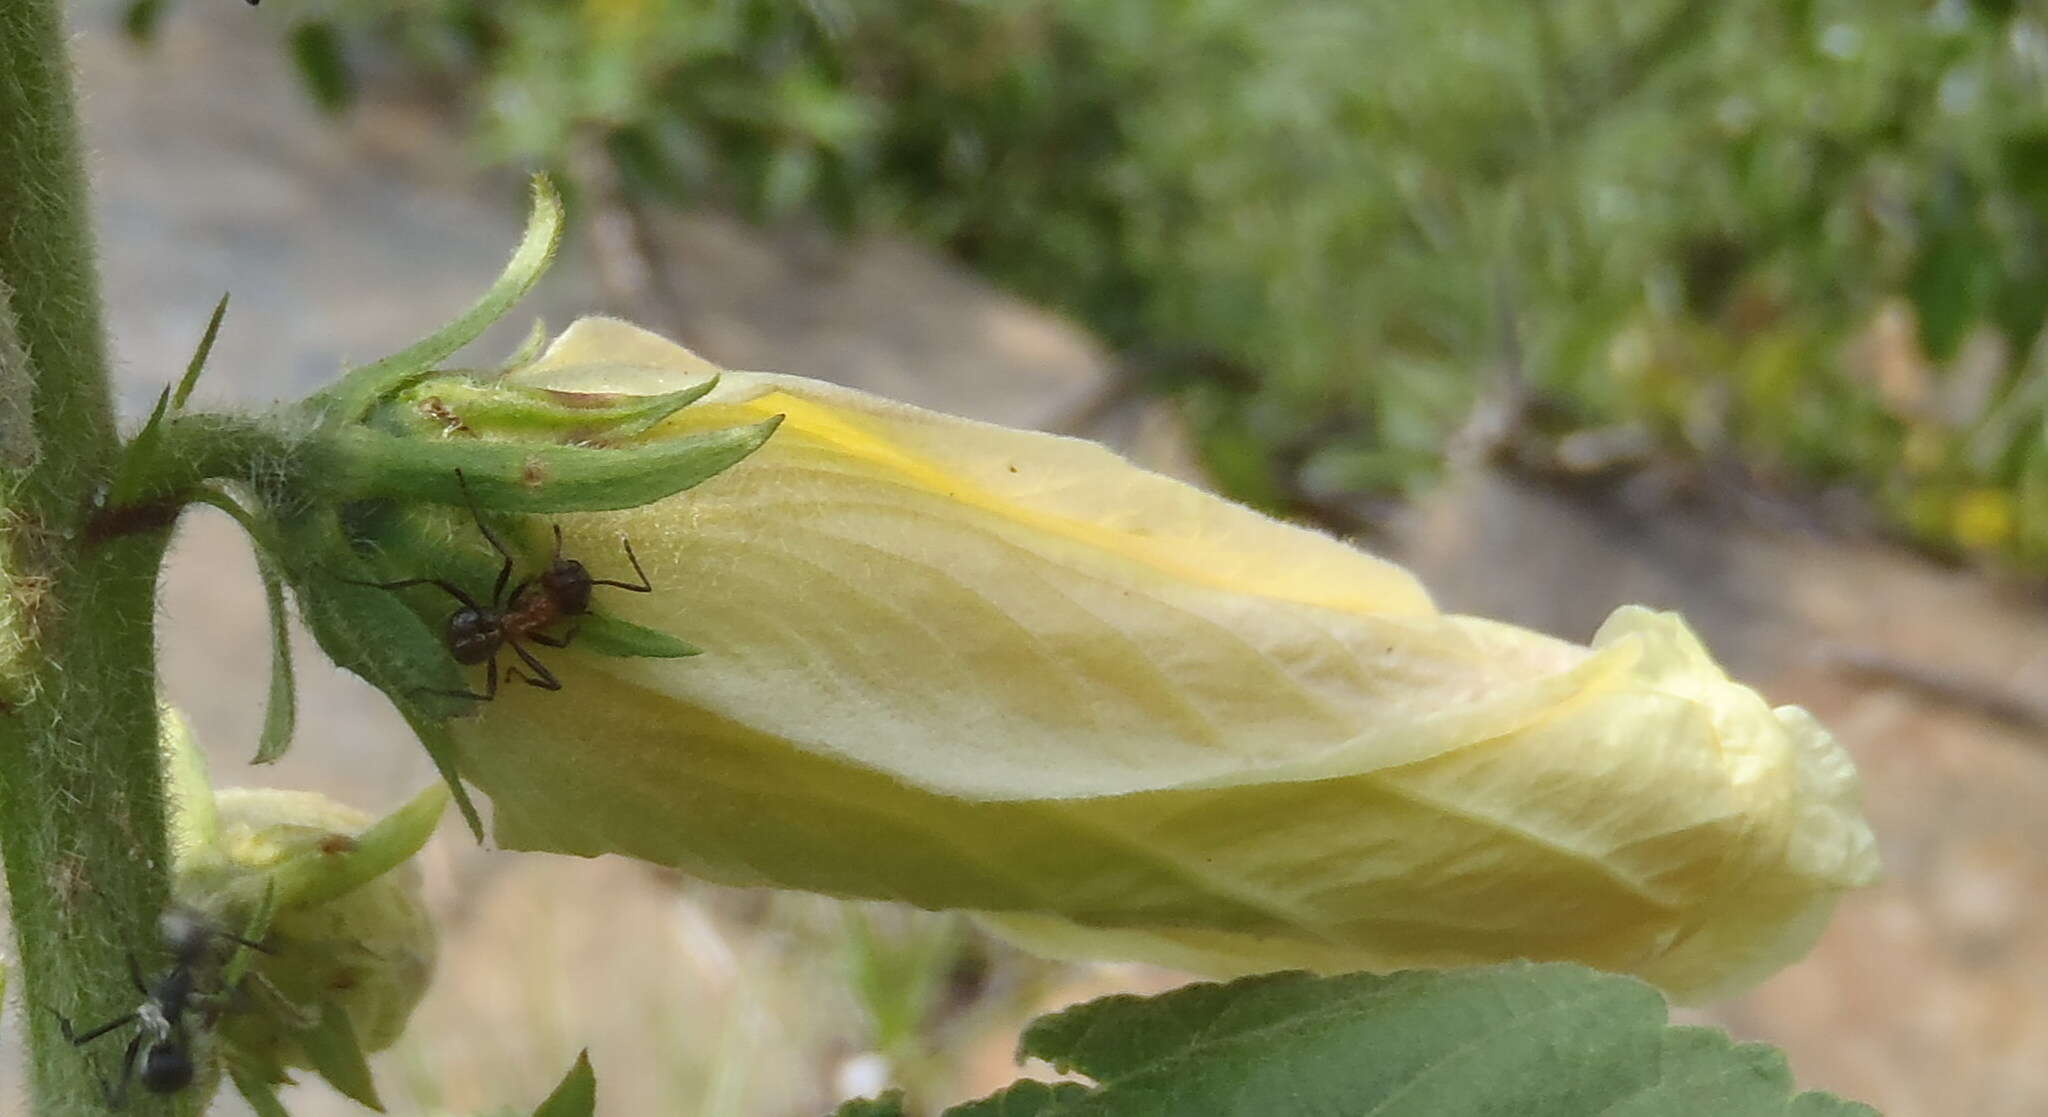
(1804,238)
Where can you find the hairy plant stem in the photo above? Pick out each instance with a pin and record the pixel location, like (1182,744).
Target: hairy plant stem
(82,826)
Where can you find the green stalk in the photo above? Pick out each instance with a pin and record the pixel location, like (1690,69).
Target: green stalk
(81,795)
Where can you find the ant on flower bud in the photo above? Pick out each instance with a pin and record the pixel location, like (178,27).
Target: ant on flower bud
(160,1052)
(476,632)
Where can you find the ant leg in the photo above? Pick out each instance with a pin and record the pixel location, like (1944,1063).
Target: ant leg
(447,587)
(117,1095)
(490,692)
(546,641)
(504,571)
(544,678)
(645,585)
(135,975)
(77,1040)
(240,941)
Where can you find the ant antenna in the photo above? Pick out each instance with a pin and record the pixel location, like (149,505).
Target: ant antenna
(491,537)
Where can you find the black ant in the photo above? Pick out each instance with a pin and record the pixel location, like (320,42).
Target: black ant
(160,1052)
(476,632)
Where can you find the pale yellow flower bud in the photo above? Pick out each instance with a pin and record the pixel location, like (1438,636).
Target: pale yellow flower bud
(971,667)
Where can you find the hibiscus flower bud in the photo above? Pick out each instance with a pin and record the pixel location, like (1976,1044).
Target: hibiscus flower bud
(969,667)
(333,902)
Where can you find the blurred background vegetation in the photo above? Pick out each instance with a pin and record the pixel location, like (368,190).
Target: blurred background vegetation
(1790,247)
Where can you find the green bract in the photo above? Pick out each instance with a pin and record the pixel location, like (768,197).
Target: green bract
(385,476)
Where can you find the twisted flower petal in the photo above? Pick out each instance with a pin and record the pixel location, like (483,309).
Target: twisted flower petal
(971,667)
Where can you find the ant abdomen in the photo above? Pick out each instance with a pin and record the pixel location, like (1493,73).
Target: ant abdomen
(473,636)
(166,1069)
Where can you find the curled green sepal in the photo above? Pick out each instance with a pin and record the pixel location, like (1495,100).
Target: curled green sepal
(327,872)
(459,405)
(611,636)
(281,710)
(529,349)
(361,464)
(354,394)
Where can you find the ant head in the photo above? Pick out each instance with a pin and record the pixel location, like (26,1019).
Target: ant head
(473,635)
(568,585)
(166,1069)
(186,933)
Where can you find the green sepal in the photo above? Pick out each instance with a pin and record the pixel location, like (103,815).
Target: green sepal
(433,735)
(359,464)
(281,708)
(323,874)
(195,823)
(139,458)
(529,349)
(255,929)
(337,1056)
(576,1096)
(197,364)
(373,633)
(456,404)
(261,1095)
(350,398)
(141,451)
(607,635)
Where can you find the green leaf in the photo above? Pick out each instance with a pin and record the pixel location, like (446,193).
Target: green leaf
(360,464)
(337,1056)
(316,51)
(606,635)
(1955,271)
(260,1095)
(1026,1098)
(1547,1040)
(576,1096)
(353,395)
(140,20)
(888,1105)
